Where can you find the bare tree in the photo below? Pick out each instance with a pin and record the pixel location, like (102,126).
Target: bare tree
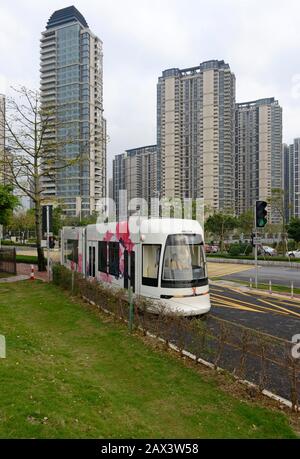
(34,150)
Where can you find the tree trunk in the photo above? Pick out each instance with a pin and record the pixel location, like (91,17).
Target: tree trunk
(40,251)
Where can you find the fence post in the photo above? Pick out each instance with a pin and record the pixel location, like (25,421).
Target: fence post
(292,289)
(250,283)
(270,287)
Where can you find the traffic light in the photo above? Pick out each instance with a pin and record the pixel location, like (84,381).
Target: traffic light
(261,214)
(51,242)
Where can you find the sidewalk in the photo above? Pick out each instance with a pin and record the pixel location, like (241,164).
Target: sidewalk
(23,273)
(24,269)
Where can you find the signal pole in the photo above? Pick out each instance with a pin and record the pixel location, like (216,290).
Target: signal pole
(260,221)
(255,248)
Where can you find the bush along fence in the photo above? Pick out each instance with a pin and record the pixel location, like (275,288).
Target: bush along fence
(261,360)
(8,260)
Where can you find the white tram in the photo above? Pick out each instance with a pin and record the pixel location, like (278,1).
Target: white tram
(166,258)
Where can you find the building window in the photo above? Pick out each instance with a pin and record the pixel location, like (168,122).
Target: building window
(114,258)
(102,256)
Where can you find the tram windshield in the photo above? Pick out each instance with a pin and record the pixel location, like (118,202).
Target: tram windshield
(184,259)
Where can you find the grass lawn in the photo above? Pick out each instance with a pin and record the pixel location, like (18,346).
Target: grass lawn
(5,275)
(72,373)
(31,259)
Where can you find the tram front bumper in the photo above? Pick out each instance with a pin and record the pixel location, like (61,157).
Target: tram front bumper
(188,305)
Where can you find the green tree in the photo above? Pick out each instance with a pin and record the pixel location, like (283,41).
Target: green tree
(246,222)
(77,221)
(294,229)
(22,222)
(34,152)
(220,225)
(8,202)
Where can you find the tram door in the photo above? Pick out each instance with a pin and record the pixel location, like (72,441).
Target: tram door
(132,271)
(92,259)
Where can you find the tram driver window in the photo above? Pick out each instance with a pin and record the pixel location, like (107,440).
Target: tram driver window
(151,257)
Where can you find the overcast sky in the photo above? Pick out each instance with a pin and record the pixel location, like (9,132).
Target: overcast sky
(259,39)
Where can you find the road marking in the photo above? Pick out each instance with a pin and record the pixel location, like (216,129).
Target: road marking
(233,305)
(236,290)
(280,307)
(263,308)
(225,304)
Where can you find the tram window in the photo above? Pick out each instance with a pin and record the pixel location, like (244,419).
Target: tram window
(71,252)
(151,258)
(102,256)
(114,258)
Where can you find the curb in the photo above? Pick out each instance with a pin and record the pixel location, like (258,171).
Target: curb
(283,264)
(245,288)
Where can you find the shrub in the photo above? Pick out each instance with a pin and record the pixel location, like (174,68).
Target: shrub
(240,248)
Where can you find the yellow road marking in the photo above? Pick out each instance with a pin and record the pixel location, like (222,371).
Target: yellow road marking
(259,297)
(222,302)
(224,269)
(236,290)
(289,302)
(280,307)
(225,304)
(264,308)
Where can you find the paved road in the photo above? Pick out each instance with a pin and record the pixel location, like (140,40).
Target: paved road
(270,314)
(264,312)
(278,275)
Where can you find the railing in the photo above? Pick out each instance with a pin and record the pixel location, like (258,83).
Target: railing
(261,359)
(8,260)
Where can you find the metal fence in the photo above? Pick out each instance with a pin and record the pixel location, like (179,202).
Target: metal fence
(8,263)
(261,359)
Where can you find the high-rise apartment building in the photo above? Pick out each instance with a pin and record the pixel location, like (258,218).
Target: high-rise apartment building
(291,174)
(288,179)
(2,137)
(296,157)
(72,82)
(195,133)
(136,172)
(258,153)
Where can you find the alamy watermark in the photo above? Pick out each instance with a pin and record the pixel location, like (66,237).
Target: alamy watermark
(163,210)
(296,347)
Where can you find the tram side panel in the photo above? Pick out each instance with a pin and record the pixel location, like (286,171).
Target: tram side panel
(72,248)
(111,255)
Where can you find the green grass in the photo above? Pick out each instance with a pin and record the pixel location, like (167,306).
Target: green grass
(4,275)
(70,373)
(31,259)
